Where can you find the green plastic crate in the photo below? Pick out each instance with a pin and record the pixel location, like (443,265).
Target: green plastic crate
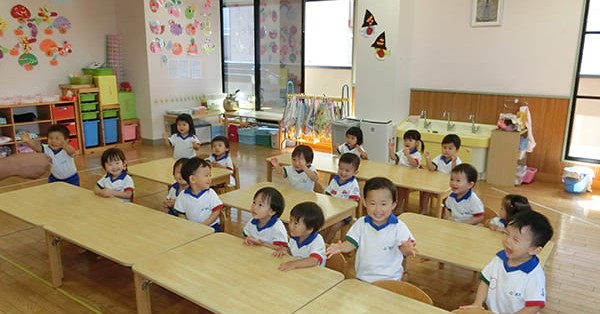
(127,103)
(87,97)
(89,106)
(110,113)
(81,79)
(98,71)
(90,115)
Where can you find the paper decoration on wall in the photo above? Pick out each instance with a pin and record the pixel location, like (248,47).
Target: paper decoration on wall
(20,13)
(154,6)
(207,46)
(205,27)
(28,61)
(191,28)
(46,16)
(177,49)
(369,25)
(190,11)
(205,8)
(156,45)
(273,34)
(3,26)
(62,24)
(52,50)
(175,28)
(381,51)
(274,16)
(156,27)
(192,48)
(3,50)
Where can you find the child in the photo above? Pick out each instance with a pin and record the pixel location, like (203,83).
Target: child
(463,204)
(301,174)
(116,182)
(380,238)
(266,228)
(220,156)
(514,281)
(354,140)
(176,188)
(184,142)
(199,202)
(512,204)
(60,152)
(305,244)
(443,162)
(345,186)
(410,157)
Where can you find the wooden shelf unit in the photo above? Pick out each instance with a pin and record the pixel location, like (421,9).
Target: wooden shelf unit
(503,157)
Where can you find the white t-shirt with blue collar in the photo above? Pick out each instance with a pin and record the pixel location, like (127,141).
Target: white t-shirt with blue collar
(347,190)
(378,255)
(63,164)
(403,160)
(273,232)
(198,207)
(313,246)
(512,288)
(183,147)
(122,183)
(299,179)
(224,161)
(444,165)
(466,207)
(173,191)
(345,148)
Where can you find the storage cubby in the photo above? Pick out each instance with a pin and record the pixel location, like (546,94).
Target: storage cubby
(504,157)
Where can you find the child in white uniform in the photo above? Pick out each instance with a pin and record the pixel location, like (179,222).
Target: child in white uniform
(410,157)
(301,174)
(463,204)
(305,244)
(353,144)
(176,188)
(185,143)
(443,163)
(220,156)
(514,281)
(265,228)
(511,205)
(381,240)
(116,182)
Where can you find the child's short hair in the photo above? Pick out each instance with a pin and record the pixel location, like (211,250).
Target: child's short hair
(274,197)
(414,135)
(311,214)
(59,128)
(112,154)
(191,165)
(187,119)
(350,158)
(379,183)
(305,151)
(468,170)
(220,138)
(514,204)
(179,162)
(356,132)
(452,139)
(538,224)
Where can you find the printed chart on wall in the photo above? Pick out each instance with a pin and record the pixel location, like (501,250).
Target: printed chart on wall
(30,34)
(183,35)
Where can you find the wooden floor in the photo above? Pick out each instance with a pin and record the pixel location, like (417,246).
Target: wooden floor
(97,285)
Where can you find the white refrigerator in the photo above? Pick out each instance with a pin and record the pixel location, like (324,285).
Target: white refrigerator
(376,136)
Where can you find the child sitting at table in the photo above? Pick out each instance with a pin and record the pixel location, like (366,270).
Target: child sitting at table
(443,162)
(265,228)
(301,174)
(179,186)
(60,152)
(116,182)
(353,144)
(380,238)
(463,204)
(344,185)
(514,281)
(199,202)
(185,143)
(305,244)
(410,157)
(511,205)
(220,156)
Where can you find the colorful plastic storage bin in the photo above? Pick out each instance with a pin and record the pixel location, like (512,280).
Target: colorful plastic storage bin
(129,131)
(97,71)
(263,136)
(111,132)
(71,126)
(113,113)
(63,112)
(87,97)
(217,130)
(247,135)
(577,179)
(74,143)
(232,133)
(89,115)
(90,133)
(89,106)
(127,103)
(529,174)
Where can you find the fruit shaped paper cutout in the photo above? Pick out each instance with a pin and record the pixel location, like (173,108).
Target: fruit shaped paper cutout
(3,50)
(24,43)
(190,10)
(369,24)
(3,26)
(156,45)
(28,61)
(154,6)
(205,27)
(156,27)
(272,34)
(205,7)
(33,29)
(274,16)
(46,15)
(62,24)
(175,28)
(177,49)
(207,46)
(21,13)
(192,48)
(191,28)
(381,51)
(52,50)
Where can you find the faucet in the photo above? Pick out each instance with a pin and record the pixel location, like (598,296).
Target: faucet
(449,126)
(474,128)
(426,123)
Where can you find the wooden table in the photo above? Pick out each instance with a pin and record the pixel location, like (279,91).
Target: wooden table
(243,114)
(466,246)
(223,275)
(334,209)
(355,296)
(121,232)
(161,171)
(433,182)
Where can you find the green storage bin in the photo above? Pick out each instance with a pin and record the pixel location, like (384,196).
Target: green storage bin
(80,79)
(127,103)
(90,115)
(110,113)
(87,97)
(98,71)
(89,106)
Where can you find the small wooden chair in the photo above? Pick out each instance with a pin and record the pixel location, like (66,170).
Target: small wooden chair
(339,263)
(236,177)
(318,188)
(488,214)
(224,219)
(406,289)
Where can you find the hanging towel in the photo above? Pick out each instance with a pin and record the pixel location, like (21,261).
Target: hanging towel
(529,125)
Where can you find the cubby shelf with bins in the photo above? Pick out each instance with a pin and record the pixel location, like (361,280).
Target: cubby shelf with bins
(46,114)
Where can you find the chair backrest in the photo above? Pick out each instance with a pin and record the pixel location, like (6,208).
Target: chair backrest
(488,214)
(318,188)
(236,175)
(404,288)
(472,311)
(338,263)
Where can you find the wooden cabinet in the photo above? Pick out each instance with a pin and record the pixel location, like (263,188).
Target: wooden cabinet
(504,157)
(108,93)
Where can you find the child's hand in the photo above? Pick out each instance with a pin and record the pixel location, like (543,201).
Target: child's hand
(288,266)
(427,155)
(215,164)
(334,248)
(408,248)
(283,251)
(406,151)
(471,306)
(252,241)
(196,145)
(168,203)
(25,136)
(105,192)
(274,162)
(165,135)
(391,145)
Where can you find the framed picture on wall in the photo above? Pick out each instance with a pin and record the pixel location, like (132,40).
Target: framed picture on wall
(486,13)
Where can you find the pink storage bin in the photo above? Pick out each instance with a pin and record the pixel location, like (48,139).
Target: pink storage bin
(529,174)
(129,132)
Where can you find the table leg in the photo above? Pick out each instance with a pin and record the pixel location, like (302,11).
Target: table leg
(54,256)
(269,171)
(226,126)
(437,205)
(142,294)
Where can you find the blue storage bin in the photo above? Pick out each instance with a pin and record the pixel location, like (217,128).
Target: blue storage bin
(577,179)
(247,135)
(90,133)
(111,131)
(217,130)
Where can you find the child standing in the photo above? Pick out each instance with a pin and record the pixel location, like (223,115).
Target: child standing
(512,204)
(60,152)
(179,186)
(199,202)
(463,204)
(343,185)
(443,163)
(410,157)
(514,281)
(381,240)
(185,142)
(116,182)
(220,155)
(301,174)
(305,244)
(266,228)
(353,144)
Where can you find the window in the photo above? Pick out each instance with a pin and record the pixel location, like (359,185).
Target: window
(328,33)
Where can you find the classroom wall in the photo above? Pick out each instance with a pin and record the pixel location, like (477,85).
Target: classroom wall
(90,22)
(326,81)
